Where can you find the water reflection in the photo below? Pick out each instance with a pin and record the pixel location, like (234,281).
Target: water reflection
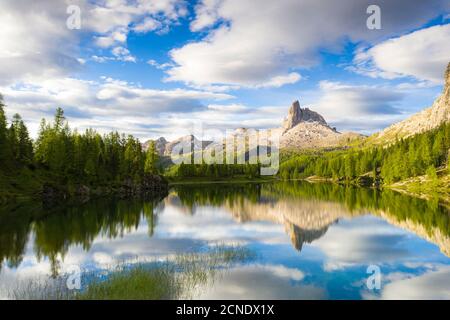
(313,240)
(56,230)
(307,210)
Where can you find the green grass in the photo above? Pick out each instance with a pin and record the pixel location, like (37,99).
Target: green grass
(179,277)
(139,283)
(426,187)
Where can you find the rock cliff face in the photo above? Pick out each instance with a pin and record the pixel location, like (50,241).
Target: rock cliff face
(425,120)
(306,129)
(297,115)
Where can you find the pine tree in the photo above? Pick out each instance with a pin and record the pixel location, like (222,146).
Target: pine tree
(438,150)
(151,159)
(21,145)
(5,151)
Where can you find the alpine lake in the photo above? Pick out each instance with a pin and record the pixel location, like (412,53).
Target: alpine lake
(305,240)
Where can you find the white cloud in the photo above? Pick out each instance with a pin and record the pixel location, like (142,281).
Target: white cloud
(228,108)
(105,105)
(205,14)
(353,243)
(357,107)
(113,20)
(261,282)
(280,81)
(118,54)
(123,54)
(345,100)
(257,41)
(160,66)
(148,24)
(430,285)
(117,36)
(35,42)
(422,54)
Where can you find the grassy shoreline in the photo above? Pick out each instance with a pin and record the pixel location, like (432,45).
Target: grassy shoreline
(420,187)
(425,188)
(178,277)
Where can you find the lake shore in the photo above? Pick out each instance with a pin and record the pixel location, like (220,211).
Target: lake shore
(40,185)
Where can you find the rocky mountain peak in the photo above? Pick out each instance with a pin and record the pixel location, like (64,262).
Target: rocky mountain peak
(446,92)
(424,120)
(297,115)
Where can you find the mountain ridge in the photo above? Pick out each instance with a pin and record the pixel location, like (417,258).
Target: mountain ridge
(304,128)
(422,121)
(307,129)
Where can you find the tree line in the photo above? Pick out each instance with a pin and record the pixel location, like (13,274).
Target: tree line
(417,155)
(69,156)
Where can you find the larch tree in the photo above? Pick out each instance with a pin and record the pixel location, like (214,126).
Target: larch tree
(151,159)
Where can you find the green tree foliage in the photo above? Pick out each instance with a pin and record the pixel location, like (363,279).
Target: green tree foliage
(218,170)
(4,143)
(403,159)
(151,159)
(70,157)
(21,145)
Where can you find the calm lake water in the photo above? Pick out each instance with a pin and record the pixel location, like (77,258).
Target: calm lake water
(311,241)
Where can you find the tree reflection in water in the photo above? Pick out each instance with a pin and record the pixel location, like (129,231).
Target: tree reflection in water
(306,210)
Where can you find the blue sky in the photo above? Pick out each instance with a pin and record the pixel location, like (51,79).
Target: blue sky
(154,68)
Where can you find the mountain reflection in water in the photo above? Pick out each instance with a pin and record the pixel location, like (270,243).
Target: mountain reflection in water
(192,216)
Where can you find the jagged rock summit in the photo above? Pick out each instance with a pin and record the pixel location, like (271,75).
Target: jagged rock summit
(297,115)
(306,129)
(425,120)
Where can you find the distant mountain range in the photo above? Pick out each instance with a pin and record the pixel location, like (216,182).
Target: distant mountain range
(301,129)
(306,129)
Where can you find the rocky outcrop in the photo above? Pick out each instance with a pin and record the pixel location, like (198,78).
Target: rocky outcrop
(297,115)
(164,147)
(149,185)
(425,120)
(306,129)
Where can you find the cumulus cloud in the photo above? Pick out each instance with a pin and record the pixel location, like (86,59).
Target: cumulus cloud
(430,286)
(148,24)
(205,14)
(355,100)
(35,42)
(422,54)
(262,282)
(365,108)
(123,54)
(254,42)
(107,104)
(353,243)
(279,81)
(113,20)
